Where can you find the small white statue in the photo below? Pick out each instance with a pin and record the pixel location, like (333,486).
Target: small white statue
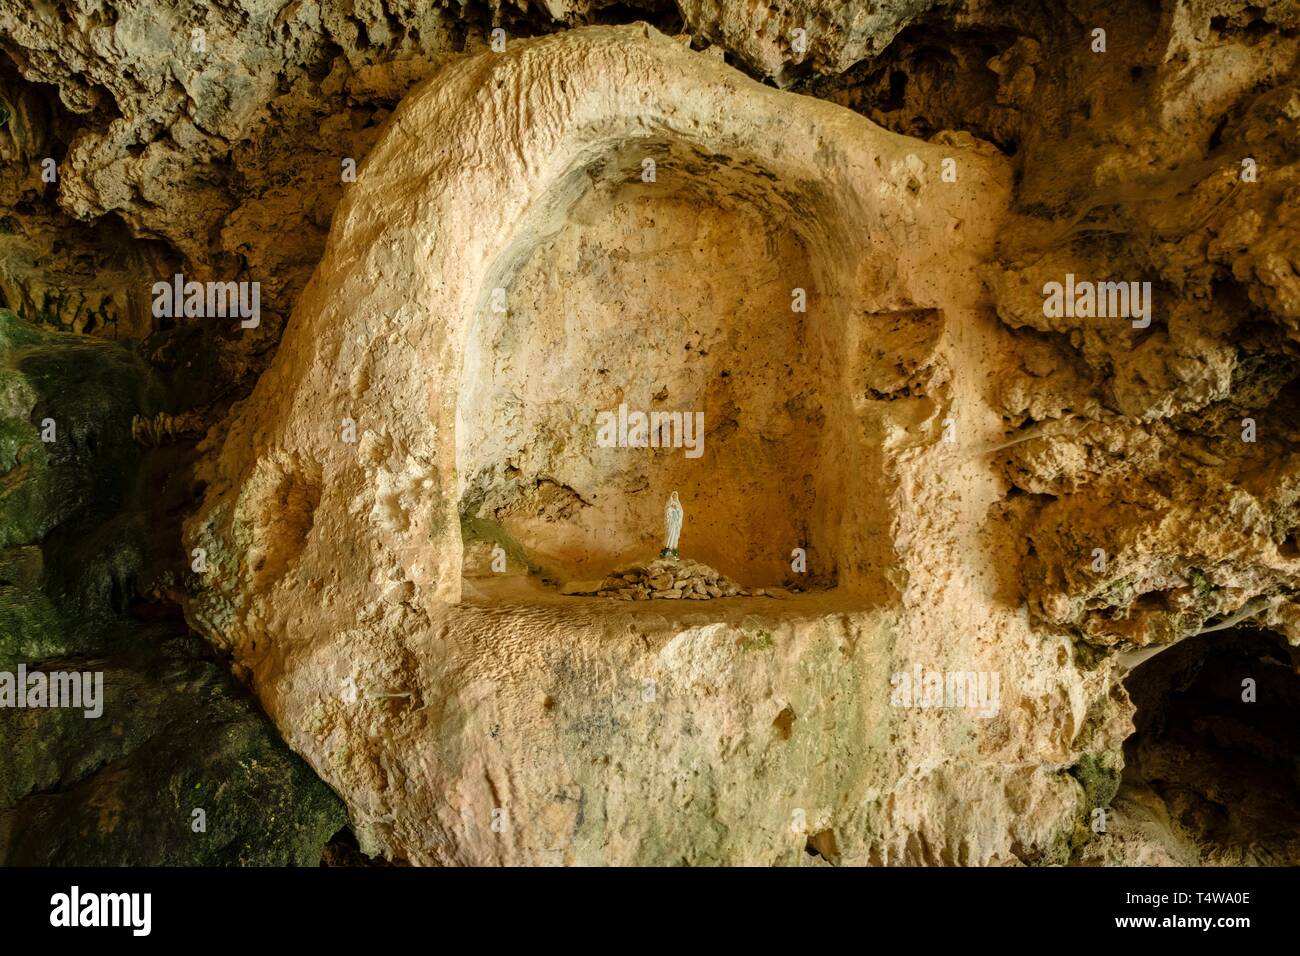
(673,515)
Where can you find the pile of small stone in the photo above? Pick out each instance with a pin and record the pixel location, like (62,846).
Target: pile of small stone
(668,579)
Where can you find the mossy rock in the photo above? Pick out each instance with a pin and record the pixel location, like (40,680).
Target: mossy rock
(22,566)
(17,397)
(15,333)
(90,390)
(71,495)
(30,626)
(90,576)
(177,734)
(757,640)
(19,440)
(1099,775)
(25,515)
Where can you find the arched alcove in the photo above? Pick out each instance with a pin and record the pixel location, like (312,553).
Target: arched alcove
(400,332)
(387,426)
(702,291)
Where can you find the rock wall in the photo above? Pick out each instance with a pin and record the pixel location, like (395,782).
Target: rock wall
(369,662)
(981,485)
(117,780)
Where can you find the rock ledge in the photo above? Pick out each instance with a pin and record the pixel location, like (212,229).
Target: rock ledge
(667,579)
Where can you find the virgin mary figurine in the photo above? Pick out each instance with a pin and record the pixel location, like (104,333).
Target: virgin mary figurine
(673,524)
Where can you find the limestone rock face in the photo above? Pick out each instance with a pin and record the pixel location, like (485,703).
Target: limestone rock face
(535,729)
(409,518)
(217,141)
(786,39)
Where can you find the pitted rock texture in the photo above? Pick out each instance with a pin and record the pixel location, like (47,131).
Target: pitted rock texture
(796,38)
(413,461)
(218,134)
(301,526)
(1069,436)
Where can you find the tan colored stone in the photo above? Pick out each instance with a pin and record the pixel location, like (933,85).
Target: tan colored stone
(383,353)
(582,587)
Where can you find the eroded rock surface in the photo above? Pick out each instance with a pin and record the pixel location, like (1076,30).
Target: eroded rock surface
(979,486)
(540,671)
